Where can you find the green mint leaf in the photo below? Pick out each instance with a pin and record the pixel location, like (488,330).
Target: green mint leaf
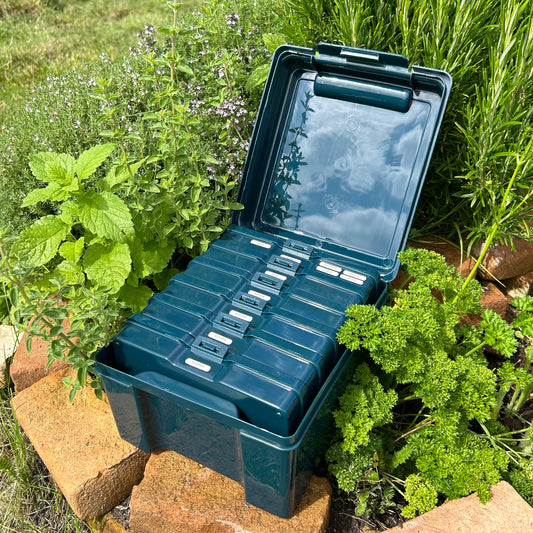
(37,167)
(108,266)
(162,278)
(273,40)
(105,214)
(39,243)
(257,77)
(53,191)
(52,167)
(91,159)
(71,251)
(58,174)
(41,195)
(69,212)
(70,272)
(135,297)
(151,257)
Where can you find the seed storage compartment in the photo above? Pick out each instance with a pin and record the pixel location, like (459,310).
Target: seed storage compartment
(236,363)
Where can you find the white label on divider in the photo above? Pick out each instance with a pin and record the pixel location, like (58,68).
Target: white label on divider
(197,364)
(219,338)
(276,275)
(351,279)
(329,266)
(327,271)
(261,243)
(352,274)
(259,295)
(242,316)
(291,258)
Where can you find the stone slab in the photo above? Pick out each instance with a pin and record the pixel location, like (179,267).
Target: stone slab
(79,444)
(519,286)
(29,367)
(8,345)
(505,512)
(177,495)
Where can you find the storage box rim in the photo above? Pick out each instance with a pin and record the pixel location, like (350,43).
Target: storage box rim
(250,430)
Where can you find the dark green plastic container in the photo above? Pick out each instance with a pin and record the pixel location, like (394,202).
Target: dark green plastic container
(236,364)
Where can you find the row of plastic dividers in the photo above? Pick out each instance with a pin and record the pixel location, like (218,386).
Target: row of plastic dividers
(169,320)
(223,276)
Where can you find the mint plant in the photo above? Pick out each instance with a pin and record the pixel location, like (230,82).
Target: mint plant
(419,417)
(93,232)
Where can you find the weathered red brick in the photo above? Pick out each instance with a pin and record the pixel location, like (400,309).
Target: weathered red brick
(493,298)
(502,262)
(79,444)
(178,495)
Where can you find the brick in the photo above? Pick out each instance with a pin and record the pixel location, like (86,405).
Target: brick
(178,495)
(493,298)
(505,512)
(79,444)
(8,344)
(502,262)
(29,367)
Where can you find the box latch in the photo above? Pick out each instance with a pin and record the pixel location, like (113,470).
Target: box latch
(231,324)
(204,346)
(297,248)
(285,265)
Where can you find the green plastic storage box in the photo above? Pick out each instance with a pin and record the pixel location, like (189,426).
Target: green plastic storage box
(236,363)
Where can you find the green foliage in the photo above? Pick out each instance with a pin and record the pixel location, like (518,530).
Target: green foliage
(417,430)
(522,479)
(518,379)
(201,59)
(364,406)
(41,38)
(105,230)
(93,230)
(421,494)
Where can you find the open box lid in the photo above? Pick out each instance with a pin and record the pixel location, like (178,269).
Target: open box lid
(340,149)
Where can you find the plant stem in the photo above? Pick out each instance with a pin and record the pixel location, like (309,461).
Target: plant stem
(494,230)
(418,428)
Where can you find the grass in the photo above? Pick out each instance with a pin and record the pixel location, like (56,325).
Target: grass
(39,38)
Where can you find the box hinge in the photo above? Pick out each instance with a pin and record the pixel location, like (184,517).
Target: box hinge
(335,52)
